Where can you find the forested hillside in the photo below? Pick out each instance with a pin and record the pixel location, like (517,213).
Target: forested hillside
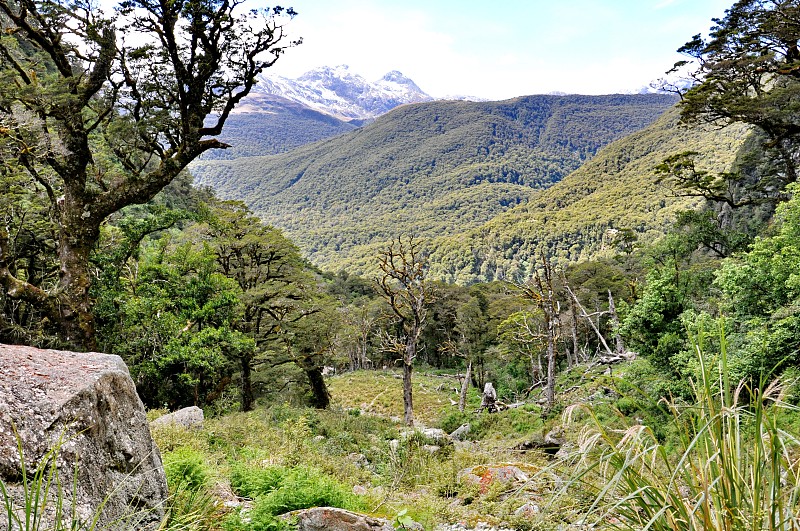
(429,169)
(607,206)
(268,125)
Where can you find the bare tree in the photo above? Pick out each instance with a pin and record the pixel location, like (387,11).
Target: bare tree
(540,290)
(404,286)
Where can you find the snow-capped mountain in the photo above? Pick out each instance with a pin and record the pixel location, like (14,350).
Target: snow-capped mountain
(339,92)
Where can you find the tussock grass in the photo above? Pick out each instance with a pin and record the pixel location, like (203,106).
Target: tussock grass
(732,466)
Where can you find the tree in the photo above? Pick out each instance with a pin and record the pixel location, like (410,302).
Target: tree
(407,291)
(540,290)
(103,112)
(277,295)
(748,71)
(761,291)
(174,323)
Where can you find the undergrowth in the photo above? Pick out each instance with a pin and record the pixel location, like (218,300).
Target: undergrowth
(731,465)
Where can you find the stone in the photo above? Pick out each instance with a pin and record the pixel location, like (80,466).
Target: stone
(434,434)
(188,417)
(460,433)
(485,475)
(84,405)
(489,398)
(332,519)
(359,460)
(528,510)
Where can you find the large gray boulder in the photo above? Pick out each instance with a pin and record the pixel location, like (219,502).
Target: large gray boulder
(84,404)
(188,417)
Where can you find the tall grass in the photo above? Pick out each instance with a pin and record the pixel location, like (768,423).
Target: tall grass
(41,504)
(730,465)
(42,501)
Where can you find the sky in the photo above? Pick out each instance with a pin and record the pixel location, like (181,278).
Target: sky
(499,49)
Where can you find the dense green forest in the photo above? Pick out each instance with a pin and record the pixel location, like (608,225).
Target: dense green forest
(620,262)
(429,169)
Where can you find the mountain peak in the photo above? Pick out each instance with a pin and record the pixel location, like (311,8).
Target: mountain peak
(341,93)
(395,76)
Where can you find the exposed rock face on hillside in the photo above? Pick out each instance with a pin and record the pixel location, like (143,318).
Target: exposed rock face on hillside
(86,404)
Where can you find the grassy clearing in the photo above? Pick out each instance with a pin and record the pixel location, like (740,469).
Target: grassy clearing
(627,457)
(381,393)
(355,456)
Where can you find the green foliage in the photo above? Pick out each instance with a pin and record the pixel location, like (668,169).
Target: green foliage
(279,490)
(401,520)
(747,72)
(185,468)
(732,469)
(429,169)
(762,294)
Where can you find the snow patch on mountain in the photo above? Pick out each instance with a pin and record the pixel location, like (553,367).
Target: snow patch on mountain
(339,92)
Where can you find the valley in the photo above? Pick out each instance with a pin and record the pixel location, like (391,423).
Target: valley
(347,304)
(436,170)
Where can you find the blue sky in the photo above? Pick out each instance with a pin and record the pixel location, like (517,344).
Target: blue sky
(499,49)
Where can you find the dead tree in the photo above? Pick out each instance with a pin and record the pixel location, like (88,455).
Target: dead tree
(619,345)
(540,290)
(405,288)
(588,317)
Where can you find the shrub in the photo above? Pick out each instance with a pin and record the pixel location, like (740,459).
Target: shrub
(185,467)
(279,490)
(734,469)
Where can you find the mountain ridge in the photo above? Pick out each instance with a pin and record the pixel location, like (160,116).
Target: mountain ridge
(342,94)
(431,169)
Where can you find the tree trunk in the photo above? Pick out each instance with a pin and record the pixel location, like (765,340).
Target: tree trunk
(574,330)
(320,397)
(247,384)
(408,402)
(550,390)
(619,346)
(462,398)
(76,242)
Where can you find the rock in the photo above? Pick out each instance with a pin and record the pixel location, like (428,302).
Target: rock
(434,434)
(461,432)
(489,398)
(555,436)
(188,417)
(331,519)
(359,490)
(485,475)
(528,510)
(551,443)
(359,460)
(86,406)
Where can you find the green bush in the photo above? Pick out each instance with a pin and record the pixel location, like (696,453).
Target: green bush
(185,467)
(278,490)
(736,467)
